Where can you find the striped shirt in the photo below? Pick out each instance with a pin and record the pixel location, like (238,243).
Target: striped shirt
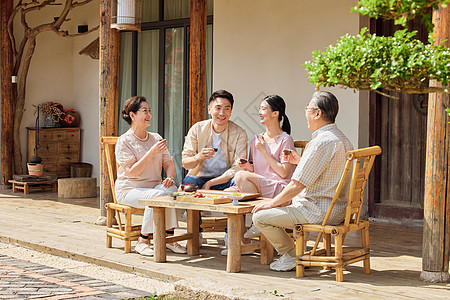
(319,170)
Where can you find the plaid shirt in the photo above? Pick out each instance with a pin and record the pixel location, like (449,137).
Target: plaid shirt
(319,170)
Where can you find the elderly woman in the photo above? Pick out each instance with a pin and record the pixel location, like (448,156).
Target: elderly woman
(141,155)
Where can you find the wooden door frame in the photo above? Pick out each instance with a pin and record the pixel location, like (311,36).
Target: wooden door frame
(375,209)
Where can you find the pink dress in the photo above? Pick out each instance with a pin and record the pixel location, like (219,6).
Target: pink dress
(270,182)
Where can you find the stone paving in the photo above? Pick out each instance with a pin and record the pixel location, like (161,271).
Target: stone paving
(20,279)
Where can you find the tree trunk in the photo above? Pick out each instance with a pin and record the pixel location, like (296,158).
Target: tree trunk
(7,102)
(435,251)
(108,90)
(20,103)
(197,62)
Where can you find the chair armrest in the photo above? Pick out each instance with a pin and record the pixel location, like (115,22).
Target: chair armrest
(124,208)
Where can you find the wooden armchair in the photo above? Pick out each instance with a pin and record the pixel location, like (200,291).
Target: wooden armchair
(125,231)
(301,145)
(338,256)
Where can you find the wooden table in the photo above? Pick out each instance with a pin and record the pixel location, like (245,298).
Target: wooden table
(26,186)
(233,213)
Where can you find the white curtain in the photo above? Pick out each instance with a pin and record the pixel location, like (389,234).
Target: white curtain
(150,10)
(147,72)
(124,76)
(176,9)
(174,95)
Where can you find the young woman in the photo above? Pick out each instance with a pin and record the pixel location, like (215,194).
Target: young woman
(141,156)
(266,171)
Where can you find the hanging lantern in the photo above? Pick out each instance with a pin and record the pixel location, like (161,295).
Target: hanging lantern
(126,14)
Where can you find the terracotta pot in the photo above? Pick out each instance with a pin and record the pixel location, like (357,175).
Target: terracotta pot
(35,169)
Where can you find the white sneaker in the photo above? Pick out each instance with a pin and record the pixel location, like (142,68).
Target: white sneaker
(143,249)
(252,232)
(224,252)
(176,248)
(284,264)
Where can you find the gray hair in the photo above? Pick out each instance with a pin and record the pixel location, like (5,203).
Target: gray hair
(327,103)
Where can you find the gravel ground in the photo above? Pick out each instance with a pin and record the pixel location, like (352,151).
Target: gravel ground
(87,269)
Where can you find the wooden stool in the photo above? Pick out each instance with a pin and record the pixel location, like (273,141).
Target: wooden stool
(26,186)
(79,187)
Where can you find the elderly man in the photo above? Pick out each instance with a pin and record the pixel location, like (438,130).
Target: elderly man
(312,185)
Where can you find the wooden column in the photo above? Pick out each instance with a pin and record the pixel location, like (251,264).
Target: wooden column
(197,62)
(109,75)
(435,248)
(6,94)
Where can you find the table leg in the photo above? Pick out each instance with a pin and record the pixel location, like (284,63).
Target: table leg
(25,190)
(14,187)
(234,243)
(159,233)
(266,251)
(193,247)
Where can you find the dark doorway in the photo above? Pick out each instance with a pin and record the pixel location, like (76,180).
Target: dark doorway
(399,127)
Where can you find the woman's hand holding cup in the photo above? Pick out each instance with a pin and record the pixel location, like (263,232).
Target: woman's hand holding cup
(242,162)
(159,147)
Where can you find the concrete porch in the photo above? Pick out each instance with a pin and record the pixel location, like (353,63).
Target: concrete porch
(65,227)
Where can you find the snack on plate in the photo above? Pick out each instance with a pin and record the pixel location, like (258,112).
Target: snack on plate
(178,194)
(236,194)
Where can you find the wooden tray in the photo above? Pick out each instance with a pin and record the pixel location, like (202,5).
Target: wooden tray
(217,197)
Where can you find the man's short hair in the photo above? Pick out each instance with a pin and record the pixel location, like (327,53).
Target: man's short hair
(327,103)
(222,94)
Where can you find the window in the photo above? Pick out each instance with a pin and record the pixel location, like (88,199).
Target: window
(154,64)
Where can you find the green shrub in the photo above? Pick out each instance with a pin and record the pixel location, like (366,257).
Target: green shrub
(368,62)
(400,10)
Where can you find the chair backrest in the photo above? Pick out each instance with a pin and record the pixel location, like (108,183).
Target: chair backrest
(300,145)
(109,144)
(362,161)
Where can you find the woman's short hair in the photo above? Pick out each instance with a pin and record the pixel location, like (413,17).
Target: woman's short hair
(222,94)
(132,105)
(327,103)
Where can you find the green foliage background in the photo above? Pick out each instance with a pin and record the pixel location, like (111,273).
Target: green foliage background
(399,63)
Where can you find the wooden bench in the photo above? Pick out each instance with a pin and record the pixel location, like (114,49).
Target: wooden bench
(26,186)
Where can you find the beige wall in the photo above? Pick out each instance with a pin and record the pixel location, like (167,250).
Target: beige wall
(59,74)
(259,49)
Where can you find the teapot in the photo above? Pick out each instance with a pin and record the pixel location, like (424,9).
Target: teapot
(189,187)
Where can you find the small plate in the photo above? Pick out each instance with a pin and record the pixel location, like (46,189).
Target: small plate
(235,199)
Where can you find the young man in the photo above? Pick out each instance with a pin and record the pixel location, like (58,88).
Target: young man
(212,146)
(312,185)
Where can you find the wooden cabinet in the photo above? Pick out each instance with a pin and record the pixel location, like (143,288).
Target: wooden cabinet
(59,147)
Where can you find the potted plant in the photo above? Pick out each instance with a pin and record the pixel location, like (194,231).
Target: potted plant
(53,113)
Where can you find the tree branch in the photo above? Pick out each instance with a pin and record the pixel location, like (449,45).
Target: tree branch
(16,9)
(66,34)
(40,6)
(76,4)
